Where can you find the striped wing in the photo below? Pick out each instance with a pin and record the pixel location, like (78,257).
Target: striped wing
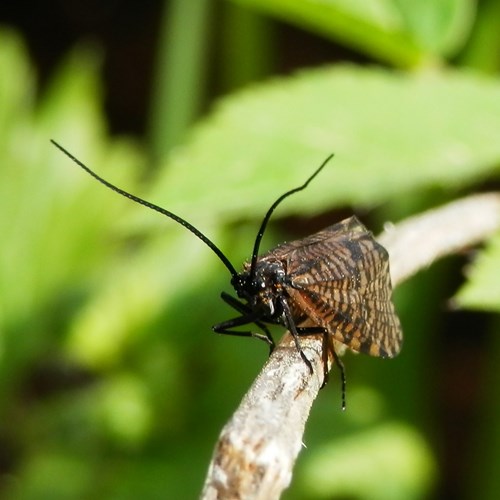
(340,279)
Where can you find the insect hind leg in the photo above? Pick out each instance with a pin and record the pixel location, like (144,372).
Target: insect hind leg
(339,363)
(304,331)
(328,346)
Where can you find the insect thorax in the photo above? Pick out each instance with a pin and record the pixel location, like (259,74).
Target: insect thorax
(264,288)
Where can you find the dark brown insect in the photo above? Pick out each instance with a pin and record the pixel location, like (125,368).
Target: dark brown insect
(338,279)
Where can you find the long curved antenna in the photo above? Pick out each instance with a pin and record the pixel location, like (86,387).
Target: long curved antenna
(260,234)
(152,206)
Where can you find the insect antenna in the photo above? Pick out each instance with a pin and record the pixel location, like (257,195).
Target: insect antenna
(260,234)
(154,207)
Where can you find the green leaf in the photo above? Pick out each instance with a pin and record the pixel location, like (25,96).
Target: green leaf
(402,32)
(440,27)
(482,290)
(391,133)
(375,28)
(479,53)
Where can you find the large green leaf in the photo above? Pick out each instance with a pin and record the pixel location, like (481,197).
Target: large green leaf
(391,133)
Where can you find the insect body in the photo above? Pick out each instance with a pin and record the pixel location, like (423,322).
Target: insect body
(337,279)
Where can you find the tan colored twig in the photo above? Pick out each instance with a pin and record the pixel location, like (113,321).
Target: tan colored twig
(257,448)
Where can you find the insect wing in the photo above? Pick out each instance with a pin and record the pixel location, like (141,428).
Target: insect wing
(340,279)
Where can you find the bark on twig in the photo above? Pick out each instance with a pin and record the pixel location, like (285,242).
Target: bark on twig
(256,451)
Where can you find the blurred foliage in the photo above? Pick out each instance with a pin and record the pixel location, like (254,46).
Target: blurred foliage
(405,33)
(290,124)
(482,290)
(388,450)
(111,384)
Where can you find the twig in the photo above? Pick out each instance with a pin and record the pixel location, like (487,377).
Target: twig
(418,241)
(257,448)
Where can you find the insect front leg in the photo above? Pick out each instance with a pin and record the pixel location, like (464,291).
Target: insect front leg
(245,310)
(247,317)
(235,303)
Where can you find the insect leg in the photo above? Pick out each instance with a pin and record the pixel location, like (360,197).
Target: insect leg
(224,328)
(315,330)
(290,323)
(327,346)
(247,311)
(235,303)
(339,363)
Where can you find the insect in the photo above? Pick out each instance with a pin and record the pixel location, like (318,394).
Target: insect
(338,279)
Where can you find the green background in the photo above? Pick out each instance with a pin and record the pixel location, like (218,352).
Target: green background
(112,384)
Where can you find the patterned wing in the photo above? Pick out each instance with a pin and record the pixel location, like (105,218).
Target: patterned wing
(340,279)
